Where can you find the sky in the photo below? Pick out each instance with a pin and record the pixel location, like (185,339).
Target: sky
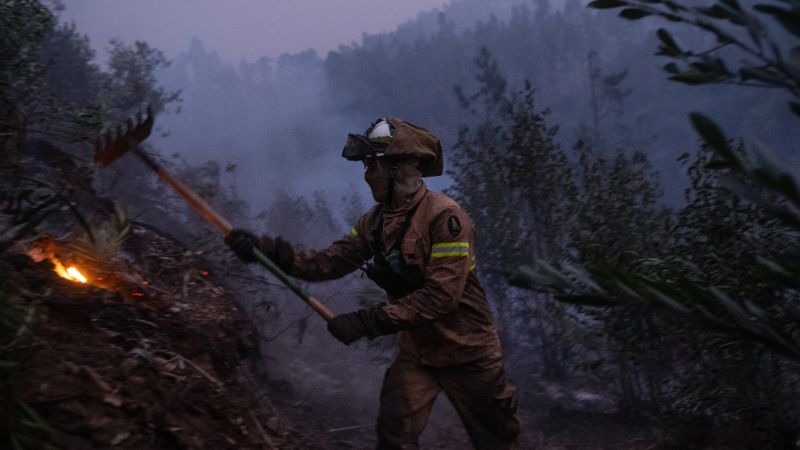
(240,29)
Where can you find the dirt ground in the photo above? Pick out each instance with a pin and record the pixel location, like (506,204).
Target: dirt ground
(165,367)
(171,366)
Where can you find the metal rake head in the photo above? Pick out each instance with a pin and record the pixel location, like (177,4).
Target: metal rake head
(108,149)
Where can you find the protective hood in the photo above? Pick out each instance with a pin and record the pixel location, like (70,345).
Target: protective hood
(411,141)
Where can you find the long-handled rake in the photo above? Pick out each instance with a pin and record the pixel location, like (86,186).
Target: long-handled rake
(108,152)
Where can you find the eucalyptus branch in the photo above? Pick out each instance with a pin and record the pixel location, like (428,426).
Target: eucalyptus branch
(773,68)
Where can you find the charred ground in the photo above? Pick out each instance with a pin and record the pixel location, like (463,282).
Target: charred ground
(169,370)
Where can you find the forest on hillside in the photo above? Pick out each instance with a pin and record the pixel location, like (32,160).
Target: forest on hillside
(638,222)
(590,72)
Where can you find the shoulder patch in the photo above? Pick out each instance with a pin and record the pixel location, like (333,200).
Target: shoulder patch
(454,226)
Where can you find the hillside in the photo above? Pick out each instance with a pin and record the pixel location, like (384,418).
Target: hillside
(166,367)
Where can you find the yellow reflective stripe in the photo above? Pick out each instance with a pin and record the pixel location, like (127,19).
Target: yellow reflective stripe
(472,267)
(451,244)
(353,232)
(443,254)
(443,249)
(450,249)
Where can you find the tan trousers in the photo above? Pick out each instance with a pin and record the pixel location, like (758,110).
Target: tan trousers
(483,397)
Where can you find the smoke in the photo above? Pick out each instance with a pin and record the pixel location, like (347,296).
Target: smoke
(262,119)
(279,124)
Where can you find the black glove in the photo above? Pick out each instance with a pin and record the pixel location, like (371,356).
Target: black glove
(242,243)
(370,322)
(277,250)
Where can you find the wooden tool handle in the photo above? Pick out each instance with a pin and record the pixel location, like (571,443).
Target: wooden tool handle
(321,309)
(194,200)
(200,205)
(315,304)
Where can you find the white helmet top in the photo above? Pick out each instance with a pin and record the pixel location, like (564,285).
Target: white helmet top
(380,132)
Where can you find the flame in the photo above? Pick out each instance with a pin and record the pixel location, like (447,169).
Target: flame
(71,273)
(46,249)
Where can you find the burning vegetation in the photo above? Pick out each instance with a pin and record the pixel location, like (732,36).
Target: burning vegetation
(116,365)
(46,249)
(94,257)
(113,334)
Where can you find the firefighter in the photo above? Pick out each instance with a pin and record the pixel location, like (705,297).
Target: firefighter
(418,246)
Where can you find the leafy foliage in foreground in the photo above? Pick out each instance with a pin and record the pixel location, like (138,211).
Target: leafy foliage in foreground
(764,62)
(729,270)
(751,235)
(740,276)
(25,204)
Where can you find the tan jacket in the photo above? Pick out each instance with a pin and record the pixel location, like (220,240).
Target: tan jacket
(446,322)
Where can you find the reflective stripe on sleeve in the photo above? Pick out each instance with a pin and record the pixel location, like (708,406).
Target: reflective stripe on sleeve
(353,232)
(444,249)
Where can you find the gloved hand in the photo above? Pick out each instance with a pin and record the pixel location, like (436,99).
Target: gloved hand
(242,243)
(277,250)
(347,327)
(370,322)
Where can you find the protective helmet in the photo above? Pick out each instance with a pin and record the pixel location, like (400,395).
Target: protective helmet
(398,139)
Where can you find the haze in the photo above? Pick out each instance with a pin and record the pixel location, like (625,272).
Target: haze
(244,29)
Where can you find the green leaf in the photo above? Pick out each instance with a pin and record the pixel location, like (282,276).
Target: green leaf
(732,4)
(545,272)
(794,55)
(716,12)
(30,223)
(672,68)
(772,175)
(736,311)
(540,277)
(692,77)
(786,215)
(606,4)
(516,279)
(667,300)
(675,7)
(795,107)
(763,75)
(582,276)
(756,310)
(634,13)
(669,47)
(789,19)
(716,140)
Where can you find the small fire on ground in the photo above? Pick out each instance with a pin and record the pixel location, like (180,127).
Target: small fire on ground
(112,277)
(71,273)
(46,249)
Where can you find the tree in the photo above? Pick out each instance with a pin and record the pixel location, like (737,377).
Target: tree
(768,194)
(24,25)
(501,167)
(734,260)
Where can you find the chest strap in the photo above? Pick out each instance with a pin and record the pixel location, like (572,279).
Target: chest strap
(378,245)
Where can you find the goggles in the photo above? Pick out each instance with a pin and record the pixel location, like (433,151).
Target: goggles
(372,143)
(358,147)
